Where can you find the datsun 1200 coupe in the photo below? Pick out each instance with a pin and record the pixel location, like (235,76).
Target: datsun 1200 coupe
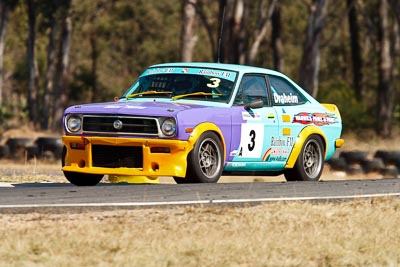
(197,121)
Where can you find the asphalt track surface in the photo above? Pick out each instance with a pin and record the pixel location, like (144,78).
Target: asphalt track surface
(58,195)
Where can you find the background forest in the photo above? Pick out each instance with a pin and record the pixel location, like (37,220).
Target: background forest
(55,53)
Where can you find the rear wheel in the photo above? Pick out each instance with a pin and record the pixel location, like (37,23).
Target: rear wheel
(80,179)
(310,163)
(205,161)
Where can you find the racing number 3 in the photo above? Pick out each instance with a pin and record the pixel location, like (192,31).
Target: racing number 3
(214,83)
(252,143)
(251,140)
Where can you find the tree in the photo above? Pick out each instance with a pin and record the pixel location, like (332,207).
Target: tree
(47,99)
(276,40)
(33,74)
(208,27)
(61,75)
(188,36)
(261,30)
(310,61)
(5,6)
(233,23)
(355,49)
(385,94)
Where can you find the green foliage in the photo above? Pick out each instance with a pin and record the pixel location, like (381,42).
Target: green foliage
(114,41)
(355,113)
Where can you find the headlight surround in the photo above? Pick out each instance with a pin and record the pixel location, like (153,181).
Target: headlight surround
(168,127)
(73,123)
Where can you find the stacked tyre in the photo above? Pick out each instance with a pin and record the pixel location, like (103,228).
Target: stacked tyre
(391,160)
(49,148)
(387,163)
(3,149)
(17,147)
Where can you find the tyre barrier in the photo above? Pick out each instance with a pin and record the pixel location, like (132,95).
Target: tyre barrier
(48,148)
(386,163)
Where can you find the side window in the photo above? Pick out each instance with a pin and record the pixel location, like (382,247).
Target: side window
(252,87)
(284,93)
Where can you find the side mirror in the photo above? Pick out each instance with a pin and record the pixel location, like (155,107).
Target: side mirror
(255,104)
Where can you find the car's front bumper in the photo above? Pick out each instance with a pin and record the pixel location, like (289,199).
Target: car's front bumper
(159,157)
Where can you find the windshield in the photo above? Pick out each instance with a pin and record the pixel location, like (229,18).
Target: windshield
(184,83)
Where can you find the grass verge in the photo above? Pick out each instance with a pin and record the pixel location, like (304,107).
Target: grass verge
(353,233)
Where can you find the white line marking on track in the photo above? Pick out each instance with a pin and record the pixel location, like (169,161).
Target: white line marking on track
(196,202)
(5,184)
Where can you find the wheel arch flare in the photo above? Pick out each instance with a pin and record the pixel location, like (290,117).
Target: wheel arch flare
(301,139)
(206,127)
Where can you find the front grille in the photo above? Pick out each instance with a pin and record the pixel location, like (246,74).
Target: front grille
(117,156)
(130,125)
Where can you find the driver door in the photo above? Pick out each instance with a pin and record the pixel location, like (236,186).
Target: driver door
(255,127)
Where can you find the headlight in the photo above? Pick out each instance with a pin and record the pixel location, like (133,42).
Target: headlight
(168,127)
(73,123)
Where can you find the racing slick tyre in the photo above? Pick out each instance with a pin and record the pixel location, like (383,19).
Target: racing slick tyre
(80,179)
(205,161)
(310,163)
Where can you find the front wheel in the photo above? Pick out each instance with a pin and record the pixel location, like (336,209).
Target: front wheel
(205,161)
(310,163)
(79,179)
(83,179)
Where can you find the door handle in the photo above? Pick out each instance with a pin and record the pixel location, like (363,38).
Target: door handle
(271,116)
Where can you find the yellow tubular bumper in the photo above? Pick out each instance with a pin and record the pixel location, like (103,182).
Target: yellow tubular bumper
(172,163)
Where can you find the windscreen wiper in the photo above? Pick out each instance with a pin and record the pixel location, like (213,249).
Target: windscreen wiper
(194,94)
(149,93)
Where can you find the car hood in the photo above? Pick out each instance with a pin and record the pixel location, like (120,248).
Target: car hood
(148,108)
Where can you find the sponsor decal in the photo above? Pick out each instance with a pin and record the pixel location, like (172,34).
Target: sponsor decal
(234,153)
(247,116)
(278,141)
(238,164)
(160,70)
(227,75)
(319,119)
(275,154)
(279,150)
(267,155)
(286,99)
(215,73)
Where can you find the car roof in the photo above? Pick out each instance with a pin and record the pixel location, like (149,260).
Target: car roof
(231,67)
